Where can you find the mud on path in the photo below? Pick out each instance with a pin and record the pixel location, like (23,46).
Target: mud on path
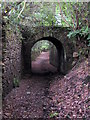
(31,98)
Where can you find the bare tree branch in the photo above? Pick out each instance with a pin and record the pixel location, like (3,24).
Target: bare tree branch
(22,9)
(63,16)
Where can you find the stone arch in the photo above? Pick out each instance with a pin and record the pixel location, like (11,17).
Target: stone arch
(60,55)
(58,36)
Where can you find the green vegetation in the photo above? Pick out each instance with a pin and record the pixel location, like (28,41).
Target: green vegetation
(53,115)
(74,15)
(39,47)
(15,82)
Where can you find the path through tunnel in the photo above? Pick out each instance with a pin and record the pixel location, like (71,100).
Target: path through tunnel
(42,61)
(48,60)
(59,61)
(32,98)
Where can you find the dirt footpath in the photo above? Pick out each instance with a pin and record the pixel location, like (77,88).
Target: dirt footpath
(30,99)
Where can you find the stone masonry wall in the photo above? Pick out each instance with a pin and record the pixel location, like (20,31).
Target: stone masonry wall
(11,54)
(58,35)
(53,56)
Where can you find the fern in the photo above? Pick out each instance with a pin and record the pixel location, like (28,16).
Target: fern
(83,32)
(73,33)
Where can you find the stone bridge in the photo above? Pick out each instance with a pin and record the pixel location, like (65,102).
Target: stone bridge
(56,35)
(17,54)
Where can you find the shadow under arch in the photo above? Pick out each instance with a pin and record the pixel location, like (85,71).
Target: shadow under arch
(60,53)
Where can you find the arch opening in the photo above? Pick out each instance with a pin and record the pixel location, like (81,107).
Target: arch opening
(56,54)
(41,54)
(26,55)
